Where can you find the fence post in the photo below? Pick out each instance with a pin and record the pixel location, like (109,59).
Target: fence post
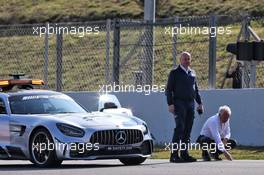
(174,44)
(253,64)
(148,63)
(59,40)
(116,55)
(212,52)
(246,77)
(149,17)
(107,51)
(46,58)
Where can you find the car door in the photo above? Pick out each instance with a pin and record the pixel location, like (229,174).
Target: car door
(4,124)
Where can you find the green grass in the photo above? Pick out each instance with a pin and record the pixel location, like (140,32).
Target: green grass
(239,153)
(38,11)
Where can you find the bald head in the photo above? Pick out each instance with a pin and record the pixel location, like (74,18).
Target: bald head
(185,59)
(185,54)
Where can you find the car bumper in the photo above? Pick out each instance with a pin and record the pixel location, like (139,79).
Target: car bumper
(143,149)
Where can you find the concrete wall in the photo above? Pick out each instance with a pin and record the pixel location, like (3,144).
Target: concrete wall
(247,121)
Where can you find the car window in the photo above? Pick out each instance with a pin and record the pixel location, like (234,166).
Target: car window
(2,107)
(44,104)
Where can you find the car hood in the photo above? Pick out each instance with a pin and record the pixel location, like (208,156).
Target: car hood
(97,119)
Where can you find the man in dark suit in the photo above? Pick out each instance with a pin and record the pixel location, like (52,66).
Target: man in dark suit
(181,92)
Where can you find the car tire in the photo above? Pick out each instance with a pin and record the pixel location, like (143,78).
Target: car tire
(43,157)
(133,160)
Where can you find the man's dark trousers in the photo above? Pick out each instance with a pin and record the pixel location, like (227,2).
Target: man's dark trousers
(184,116)
(203,140)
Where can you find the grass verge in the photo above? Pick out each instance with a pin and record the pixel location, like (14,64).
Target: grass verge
(239,153)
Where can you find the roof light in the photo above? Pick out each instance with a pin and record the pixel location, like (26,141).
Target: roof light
(7,85)
(4,82)
(37,82)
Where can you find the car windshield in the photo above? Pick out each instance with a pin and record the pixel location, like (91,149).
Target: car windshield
(44,104)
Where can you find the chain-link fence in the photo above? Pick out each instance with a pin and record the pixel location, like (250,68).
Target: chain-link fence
(148,51)
(69,57)
(257,25)
(226,62)
(20,51)
(85,56)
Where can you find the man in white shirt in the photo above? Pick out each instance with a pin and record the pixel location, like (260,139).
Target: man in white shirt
(216,133)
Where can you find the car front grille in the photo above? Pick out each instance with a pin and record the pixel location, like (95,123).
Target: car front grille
(117,137)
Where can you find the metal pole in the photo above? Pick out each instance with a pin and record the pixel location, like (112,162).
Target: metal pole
(231,59)
(149,10)
(46,59)
(107,51)
(174,45)
(253,33)
(149,17)
(116,55)
(253,63)
(252,74)
(59,62)
(246,65)
(212,52)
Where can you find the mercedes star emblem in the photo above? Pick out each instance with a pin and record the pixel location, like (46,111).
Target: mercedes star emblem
(120,137)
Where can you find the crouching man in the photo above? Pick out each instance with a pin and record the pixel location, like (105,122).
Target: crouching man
(215,135)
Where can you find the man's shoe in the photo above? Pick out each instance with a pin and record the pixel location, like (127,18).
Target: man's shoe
(206,156)
(215,156)
(176,159)
(189,159)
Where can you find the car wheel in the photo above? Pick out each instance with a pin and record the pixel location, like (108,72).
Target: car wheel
(42,149)
(133,160)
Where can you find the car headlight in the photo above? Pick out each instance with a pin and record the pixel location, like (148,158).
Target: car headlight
(144,128)
(70,130)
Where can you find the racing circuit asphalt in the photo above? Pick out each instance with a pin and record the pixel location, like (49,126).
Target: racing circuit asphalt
(150,167)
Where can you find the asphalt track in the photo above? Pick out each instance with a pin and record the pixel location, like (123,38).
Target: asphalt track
(150,167)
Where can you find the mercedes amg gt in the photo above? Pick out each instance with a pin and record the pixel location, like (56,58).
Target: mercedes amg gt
(47,127)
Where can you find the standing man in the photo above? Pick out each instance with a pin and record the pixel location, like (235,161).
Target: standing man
(181,92)
(216,132)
